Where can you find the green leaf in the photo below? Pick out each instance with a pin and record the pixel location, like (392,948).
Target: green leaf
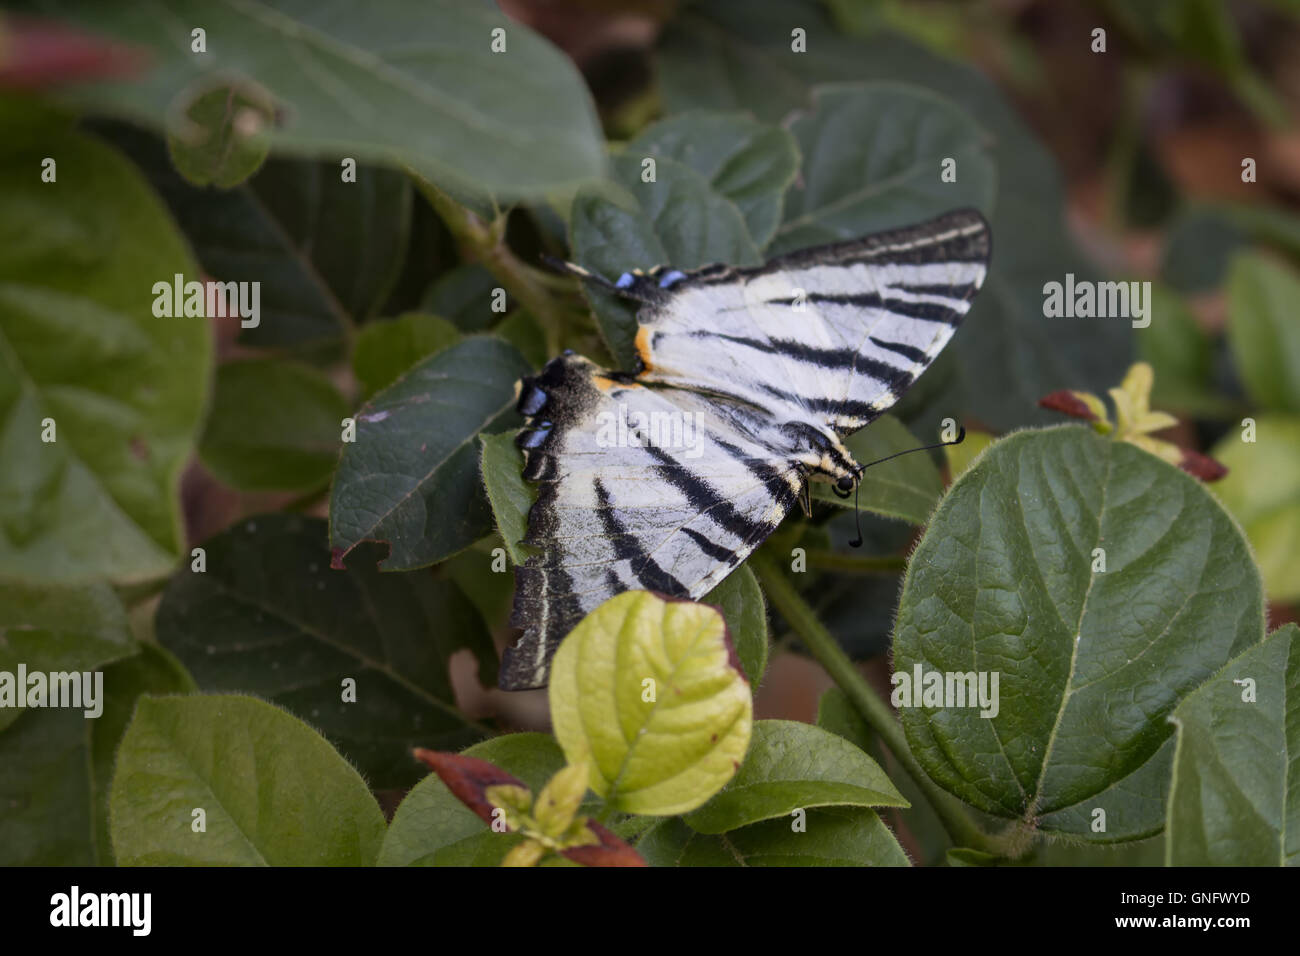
(464,295)
(411,479)
(792,766)
(748,162)
(79,344)
(274,426)
(385,349)
(855,184)
(1181,354)
(650,694)
(733,54)
(58,765)
(960,457)
(1262,491)
(1003,582)
(273,792)
(835,836)
(433,828)
(50,627)
(905,488)
(929,840)
(325,251)
(836,713)
(1263,331)
(679,219)
(269,617)
(511,497)
(1234,800)
(524,127)
(222,140)
(741,601)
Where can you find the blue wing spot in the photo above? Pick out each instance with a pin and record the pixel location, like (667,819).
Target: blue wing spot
(625,280)
(671,279)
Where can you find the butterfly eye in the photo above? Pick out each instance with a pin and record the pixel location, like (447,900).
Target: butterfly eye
(845,484)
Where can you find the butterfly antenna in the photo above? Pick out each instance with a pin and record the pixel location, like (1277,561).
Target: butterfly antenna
(857,513)
(573,269)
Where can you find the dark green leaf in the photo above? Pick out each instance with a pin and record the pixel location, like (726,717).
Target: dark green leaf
(60,628)
(732,55)
(1234,800)
(679,219)
(58,765)
(741,601)
(411,478)
(854,183)
(250,767)
(748,162)
(269,617)
(385,349)
(1003,582)
(274,426)
(325,251)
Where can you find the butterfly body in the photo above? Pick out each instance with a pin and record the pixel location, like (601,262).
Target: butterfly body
(748,382)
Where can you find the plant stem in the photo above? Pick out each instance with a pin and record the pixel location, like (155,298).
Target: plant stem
(875,711)
(854,564)
(484,243)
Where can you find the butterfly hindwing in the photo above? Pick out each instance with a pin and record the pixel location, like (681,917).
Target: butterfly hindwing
(638,488)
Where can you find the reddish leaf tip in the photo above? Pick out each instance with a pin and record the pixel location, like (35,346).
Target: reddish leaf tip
(1067,403)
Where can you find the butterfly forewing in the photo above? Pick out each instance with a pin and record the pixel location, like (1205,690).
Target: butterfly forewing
(834,334)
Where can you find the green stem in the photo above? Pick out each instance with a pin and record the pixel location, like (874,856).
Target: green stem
(875,711)
(854,564)
(484,243)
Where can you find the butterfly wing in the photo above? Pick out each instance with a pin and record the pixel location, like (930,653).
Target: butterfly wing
(638,488)
(833,334)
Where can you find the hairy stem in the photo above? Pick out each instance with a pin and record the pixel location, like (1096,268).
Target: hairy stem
(854,564)
(484,243)
(875,711)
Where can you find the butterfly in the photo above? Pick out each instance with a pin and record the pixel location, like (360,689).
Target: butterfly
(748,382)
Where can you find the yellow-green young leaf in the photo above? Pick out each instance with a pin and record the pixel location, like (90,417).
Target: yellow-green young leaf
(650,693)
(1262,490)
(960,457)
(559,800)
(525,854)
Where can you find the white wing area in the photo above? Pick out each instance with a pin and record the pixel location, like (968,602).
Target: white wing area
(831,335)
(666,480)
(639,488)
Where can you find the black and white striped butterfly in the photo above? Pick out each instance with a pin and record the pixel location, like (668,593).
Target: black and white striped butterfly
(750,379)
